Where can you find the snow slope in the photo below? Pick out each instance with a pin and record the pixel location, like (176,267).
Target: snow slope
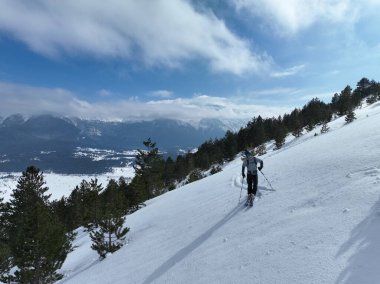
(321,225)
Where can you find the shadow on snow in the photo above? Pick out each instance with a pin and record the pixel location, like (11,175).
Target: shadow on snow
(364,265)
(184,252)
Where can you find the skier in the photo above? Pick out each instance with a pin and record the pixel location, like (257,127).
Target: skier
(250,162)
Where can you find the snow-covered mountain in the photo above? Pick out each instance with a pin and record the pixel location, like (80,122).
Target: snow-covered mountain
(52,143)
(320,225)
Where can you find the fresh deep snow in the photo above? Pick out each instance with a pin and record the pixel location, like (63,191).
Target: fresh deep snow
(320,225)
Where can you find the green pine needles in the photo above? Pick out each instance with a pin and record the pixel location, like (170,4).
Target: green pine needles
(350,116)
(38,242)
(109,236)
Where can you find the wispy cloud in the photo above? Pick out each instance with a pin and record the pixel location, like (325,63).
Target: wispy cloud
(290,17)
(162,94)
(289,95)
(18,99)
(287,72)
(277,91)
(157,33)
(104,93)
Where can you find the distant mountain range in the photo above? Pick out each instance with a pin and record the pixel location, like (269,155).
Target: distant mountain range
(74,145)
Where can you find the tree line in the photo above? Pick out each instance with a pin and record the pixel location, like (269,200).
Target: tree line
(36,234)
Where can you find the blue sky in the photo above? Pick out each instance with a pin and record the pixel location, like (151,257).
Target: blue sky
(129,59)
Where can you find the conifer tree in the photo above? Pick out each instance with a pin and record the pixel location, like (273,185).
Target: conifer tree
(5,263)
(61,209)
(5,256)
(148,180)
(344,102)
(297,132)
(113,194)
(363,88)
(280,137)
(325,127)
(84,203)
(110,234)
(194,176)
(350,117)
(310,126)
(169,174)
(230,146)
(372,99)
(123,186)
(38,242)
(261,150)
(215,169)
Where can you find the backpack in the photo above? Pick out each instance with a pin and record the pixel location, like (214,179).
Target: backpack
(252,168)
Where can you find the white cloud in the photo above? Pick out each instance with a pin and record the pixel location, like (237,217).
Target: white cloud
(277,91)
(288,72)
(33,100)
(292,16)
(162,94)
(290,95)
(104,93)
(160,32)
(324,96)
(29,100)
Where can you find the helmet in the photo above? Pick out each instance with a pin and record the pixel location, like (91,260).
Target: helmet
(247,153)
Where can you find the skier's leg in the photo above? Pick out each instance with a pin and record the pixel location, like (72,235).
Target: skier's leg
(249,189)
(250,183)
(255,182)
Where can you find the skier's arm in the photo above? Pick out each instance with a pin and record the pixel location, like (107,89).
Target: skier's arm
(243,169)
(261,164)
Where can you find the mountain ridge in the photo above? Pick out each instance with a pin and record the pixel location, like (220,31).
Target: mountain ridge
(25,138)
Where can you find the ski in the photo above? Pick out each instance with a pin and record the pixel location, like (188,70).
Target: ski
(249,202)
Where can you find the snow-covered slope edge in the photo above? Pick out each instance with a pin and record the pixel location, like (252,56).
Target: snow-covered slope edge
(321,225)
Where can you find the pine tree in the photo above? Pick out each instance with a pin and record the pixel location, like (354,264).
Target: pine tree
(261,150)
(194,176)
(169,174)
(5,256)
(230,145)
(114,194)
(38,242)
(350,117)
(372,99)
(325,127)
(280,137)
(123,186)
(110,234)
(215,169)
(61,209)
(5,262)
(342,102)
(148,180)
(84,204)
(297,132)
(310,126)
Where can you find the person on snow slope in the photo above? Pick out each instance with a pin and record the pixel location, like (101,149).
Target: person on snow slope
(250,162)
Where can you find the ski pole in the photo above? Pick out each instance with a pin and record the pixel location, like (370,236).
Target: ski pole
(267,181)
(241,189)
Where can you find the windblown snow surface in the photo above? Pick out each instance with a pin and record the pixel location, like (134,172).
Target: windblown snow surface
(320,225)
